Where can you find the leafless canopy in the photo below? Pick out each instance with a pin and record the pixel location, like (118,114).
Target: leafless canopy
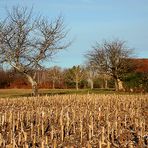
(25,43)
(111,58)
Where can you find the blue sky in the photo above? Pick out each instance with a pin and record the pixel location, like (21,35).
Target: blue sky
(93,20)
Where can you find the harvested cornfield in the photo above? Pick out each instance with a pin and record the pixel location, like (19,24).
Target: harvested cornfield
(74,121)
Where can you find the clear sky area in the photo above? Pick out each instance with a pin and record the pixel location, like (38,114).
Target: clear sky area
(89,21)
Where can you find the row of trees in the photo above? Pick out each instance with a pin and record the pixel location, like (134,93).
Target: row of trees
(27,42)
(76,77)
(56,77)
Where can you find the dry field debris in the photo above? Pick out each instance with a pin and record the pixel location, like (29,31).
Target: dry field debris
(74,121)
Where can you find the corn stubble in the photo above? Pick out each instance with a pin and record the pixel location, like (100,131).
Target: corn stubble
(74,121)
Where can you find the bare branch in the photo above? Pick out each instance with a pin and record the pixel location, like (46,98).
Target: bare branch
(111,58)
(25,42)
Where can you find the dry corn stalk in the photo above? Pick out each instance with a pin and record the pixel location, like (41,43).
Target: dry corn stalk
(74,120)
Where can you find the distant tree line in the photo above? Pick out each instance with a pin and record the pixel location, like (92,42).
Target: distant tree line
(78,77)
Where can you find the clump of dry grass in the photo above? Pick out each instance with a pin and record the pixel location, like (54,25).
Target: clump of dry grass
(102,121)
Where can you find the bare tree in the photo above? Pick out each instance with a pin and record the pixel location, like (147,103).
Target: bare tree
(25,42)
(55,74)
(111,58)
(75,74)
(91,73)
(104,79)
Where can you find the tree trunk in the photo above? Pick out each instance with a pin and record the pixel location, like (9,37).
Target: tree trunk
(119,85)
(116,85)
(33,84)
(91,83)
(77,82)
(77,85)
(106,84)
